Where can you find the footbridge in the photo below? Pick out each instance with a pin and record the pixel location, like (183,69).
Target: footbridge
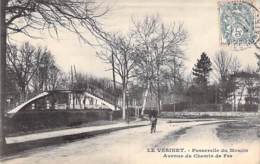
(67,100)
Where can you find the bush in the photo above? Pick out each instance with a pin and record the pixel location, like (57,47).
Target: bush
(179,107)
(184,107)
(248,108)
(27,121)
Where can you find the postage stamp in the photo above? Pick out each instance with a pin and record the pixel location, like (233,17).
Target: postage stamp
(237,23)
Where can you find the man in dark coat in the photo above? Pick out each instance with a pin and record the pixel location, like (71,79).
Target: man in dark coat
(153,119)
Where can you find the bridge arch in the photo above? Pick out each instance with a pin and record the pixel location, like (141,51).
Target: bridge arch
(71,96)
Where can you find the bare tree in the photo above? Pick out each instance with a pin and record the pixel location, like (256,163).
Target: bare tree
(24,62)
(121,55)
(54,77)
(225,66)
(251,87)
(157,49)
(47,74)
(78,16)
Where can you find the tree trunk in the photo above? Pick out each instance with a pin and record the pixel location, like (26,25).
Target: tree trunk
(241,95)
(145,98)
(158,90)
(124,104)
(158,96)
(114,80)
(234,97)
(23,94)
(2,75)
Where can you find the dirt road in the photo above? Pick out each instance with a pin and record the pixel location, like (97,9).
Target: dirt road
(138,146)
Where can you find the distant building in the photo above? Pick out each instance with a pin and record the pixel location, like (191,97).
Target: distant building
(247,90)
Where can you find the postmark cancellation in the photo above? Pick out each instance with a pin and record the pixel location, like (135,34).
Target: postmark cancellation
(237,23)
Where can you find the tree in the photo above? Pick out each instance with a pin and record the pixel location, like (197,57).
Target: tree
(157,49)
(121,56)
(195,93)
(252,87)
(11,90)
(202,69)
(225,65)
(54,77)
(24,16)
(18,16)
(2,74)
(101,87)
(201,72)
(248,85)
(47,74)
(25,62)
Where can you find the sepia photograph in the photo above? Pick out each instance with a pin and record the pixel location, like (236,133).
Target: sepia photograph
(130,82)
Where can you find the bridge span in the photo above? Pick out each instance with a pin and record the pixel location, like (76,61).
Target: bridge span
(66,100)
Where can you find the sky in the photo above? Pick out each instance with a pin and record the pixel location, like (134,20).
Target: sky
(200,19)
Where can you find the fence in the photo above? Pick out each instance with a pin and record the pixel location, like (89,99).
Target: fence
(185,107)
(207,114)
(27,121)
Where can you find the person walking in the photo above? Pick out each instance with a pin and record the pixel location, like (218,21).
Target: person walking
(153,119)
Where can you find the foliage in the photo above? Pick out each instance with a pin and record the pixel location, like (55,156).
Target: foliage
(247,82)
(201,70)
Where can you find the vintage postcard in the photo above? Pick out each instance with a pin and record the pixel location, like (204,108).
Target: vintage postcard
(130,82)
